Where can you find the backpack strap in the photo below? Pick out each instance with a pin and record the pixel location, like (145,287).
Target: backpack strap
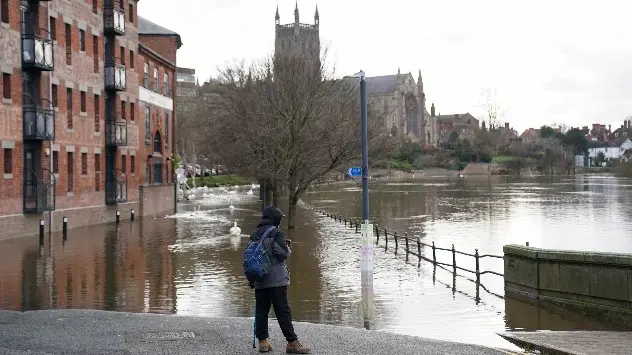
(265,234)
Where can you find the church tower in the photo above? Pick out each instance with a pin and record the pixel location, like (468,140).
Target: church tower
(298,38)
(425,122)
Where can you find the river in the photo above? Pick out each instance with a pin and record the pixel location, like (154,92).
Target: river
(188,264)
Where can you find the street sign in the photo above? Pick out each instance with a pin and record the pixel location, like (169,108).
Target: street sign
(355,171)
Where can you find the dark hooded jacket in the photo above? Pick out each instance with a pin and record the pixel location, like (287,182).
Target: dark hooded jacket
(278,251)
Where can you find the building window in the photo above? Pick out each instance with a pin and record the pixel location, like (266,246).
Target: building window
(69,108)
(155,79)
(147,126)
(157,171)
(123,110)
(122,50)
(146,79)
(132,161)
(124,163)
(6,86)
(131,59)
(8,161)
(70,172)
(157,143)
(53,95)
(84,163)
(132,111)
(82,40)
(95,6)
(68,45)
(131,13)
(97,113)
(53,28)
(97,172)
(4,11)
(55,162)
(148,172)
(165,87)
(84,103)
(95,52)
(167,130)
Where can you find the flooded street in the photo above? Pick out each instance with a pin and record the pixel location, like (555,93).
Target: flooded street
(188,264)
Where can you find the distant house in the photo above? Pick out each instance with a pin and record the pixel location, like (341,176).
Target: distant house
(614,151)
(530,135)
(464,124)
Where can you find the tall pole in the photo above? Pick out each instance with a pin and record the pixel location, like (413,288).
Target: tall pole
(365,150)
(366,247)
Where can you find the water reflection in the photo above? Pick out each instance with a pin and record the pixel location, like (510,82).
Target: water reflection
(189,264)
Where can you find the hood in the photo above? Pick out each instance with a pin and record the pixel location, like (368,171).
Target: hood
(271,216)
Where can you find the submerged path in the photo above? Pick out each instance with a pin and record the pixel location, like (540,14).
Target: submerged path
(100,332)
(574,342)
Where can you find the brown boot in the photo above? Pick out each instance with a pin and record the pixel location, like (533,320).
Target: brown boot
(264,346)
(294,347)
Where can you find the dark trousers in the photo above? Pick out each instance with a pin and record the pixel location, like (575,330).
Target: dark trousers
(277,297)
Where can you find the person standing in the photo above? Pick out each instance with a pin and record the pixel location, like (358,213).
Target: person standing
(272,289)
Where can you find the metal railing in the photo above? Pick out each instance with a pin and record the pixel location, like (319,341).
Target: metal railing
(37,50)
(116,187)
(113,19)
(414,245)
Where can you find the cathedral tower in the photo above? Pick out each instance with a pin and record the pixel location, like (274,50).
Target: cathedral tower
(297,38)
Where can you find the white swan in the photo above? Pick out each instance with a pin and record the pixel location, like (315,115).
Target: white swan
(231,207)
(253,186)
(249,192)
(234,230)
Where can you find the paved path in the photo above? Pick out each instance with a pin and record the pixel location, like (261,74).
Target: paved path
(98,332)
(575,342)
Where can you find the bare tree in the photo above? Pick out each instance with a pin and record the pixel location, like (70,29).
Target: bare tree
(494,113)
(289,121)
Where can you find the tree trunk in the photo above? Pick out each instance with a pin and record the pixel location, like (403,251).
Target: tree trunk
(275,193)
(293,201)
(268,193)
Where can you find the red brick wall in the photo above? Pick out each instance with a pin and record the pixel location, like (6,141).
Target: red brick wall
(165,46)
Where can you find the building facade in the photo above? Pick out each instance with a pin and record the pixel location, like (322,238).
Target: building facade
(69,131)
(402,101)
(298,39)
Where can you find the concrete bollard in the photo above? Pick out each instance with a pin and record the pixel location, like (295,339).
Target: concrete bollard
(132,215)
(64,227)
(118,217)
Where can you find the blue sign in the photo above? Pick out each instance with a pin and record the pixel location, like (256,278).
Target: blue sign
(355,171)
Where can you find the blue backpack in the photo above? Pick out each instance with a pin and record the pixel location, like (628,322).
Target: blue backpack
(256,260)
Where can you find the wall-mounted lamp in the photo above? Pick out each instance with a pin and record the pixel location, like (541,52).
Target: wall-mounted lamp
(47,151)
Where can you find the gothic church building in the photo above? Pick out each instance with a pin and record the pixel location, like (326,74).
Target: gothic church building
(398,97)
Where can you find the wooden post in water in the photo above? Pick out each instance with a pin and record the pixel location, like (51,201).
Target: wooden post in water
(345,221)
(478,270)
(385,238)
(396,242)
(434,254)
(453,259)
(418,248)
(357,225)
(377,234)
(406,238)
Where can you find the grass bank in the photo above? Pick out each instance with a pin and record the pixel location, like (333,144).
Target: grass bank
(220,180)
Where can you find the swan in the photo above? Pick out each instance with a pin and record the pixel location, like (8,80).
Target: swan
(231,207)
(249,192)
(234,230)
(253,186)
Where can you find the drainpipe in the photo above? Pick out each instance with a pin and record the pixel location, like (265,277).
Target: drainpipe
(50,152)
(173,139)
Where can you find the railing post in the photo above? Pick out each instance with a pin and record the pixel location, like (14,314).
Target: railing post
(118,217)
(453,259)
(385,238)
(396,242)
(406,238)
(478,270)
(345,221)
(418,248)
(434,254)
(377,235)
(132,216)
(357,225)
(41,232)
(64,226)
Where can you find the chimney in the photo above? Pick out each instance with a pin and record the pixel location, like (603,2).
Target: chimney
(483,125)
(506,125)
(609,128)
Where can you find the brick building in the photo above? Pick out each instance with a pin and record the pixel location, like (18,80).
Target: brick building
(70,128)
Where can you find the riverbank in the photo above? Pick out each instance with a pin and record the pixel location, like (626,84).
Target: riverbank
(573,342)
(99,332)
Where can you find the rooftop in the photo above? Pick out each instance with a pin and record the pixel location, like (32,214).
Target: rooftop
(146,27)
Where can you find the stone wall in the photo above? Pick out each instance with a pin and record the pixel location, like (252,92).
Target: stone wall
(157,199)
(597,284)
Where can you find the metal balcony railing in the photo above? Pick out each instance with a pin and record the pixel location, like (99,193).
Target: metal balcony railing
(37,50)
(116,187)
(38,191)
(113,20)
(116,133)
(38,121)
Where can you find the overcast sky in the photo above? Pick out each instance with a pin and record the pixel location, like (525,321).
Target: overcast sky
(549,61)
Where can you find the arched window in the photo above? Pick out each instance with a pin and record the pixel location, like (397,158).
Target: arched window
(157,142)
(146,71)
(165,87)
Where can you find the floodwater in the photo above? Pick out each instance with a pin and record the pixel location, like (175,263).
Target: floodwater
(188,264)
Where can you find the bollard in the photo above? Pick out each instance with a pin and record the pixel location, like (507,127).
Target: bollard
(132,216)
(385,238)
(418,248)
(396,242)
(64,228)
(478,270)
(118,217)
(345,221)
(357,224)
(453,258)
(434,254)
(41,232)
(406,239)
(377,234)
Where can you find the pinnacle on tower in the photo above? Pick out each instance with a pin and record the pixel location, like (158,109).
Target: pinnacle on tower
(316,17)
(277,17)
(398,71)
(419,77)
(296,12)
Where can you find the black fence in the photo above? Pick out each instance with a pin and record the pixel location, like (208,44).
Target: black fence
(413,246)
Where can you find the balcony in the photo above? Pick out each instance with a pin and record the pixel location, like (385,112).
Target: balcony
(37,50)
(114,75)
(116,187)
(38,121)
(113,20)
(39,191)
(115,133)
